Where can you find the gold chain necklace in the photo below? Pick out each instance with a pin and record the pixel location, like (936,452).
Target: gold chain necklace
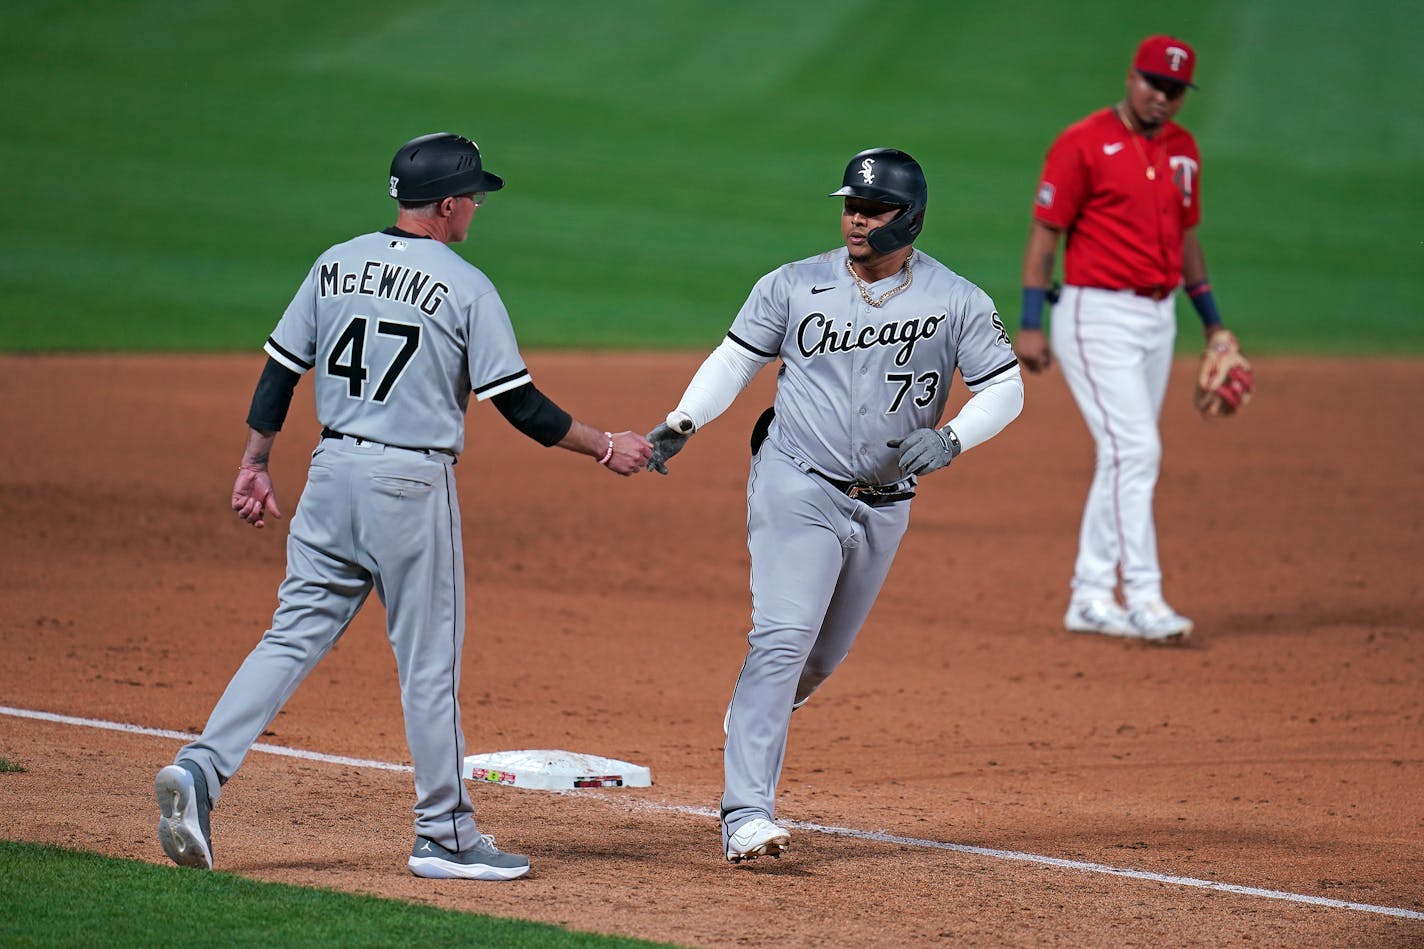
(865,295)
(1151,170)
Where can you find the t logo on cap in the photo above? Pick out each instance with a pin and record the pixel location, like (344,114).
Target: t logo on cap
(1166,57)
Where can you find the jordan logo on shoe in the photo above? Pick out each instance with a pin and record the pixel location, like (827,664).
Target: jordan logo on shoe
(426,846)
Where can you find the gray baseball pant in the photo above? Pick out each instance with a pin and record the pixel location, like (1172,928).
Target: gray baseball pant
(818,561)
(371,516)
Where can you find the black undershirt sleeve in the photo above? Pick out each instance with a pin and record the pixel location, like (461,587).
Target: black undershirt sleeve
(534,414)
(273,397)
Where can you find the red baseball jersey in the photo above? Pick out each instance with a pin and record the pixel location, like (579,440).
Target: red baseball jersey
(1124,201)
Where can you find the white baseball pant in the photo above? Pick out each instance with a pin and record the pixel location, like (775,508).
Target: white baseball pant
(1114,348)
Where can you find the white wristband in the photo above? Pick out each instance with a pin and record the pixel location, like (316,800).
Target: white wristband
(680,422)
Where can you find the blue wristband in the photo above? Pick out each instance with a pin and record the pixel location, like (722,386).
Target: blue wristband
(1202,299)
(1033,298)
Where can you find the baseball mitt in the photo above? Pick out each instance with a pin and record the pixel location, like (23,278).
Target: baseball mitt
(1225,380)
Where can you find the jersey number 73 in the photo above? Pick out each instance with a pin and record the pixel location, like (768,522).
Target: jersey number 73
(906,381)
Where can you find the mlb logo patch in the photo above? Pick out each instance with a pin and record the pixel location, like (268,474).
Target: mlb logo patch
(1045,195)
(398,245)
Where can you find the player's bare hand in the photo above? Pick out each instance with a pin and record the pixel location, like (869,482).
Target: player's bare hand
(1031,347)
(631,452)
(252,496)
(668,441)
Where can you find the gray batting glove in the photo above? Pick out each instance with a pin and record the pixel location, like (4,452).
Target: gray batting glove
(926,449)
(668,439)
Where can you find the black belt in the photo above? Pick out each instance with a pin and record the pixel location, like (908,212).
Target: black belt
(333,433)
(876,495)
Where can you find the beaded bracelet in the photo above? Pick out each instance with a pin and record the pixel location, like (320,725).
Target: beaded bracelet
(608,454)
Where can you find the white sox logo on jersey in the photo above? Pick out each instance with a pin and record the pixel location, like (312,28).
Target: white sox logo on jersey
(867,170)
(817,334)
(1184,173)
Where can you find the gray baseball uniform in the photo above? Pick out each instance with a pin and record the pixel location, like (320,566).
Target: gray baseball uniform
(854,375)
(399,329)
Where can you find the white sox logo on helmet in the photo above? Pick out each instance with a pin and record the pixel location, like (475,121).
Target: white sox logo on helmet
(867,170)
(1177,55)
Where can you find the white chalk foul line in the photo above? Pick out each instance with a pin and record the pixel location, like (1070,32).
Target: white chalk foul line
(869,835)
(187,736)
(884,838)
(1115,871)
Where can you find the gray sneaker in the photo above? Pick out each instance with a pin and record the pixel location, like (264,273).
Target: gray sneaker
(482,861)
(183,808)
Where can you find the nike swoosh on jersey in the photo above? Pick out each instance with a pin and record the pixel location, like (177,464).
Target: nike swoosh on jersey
(1112,149)
(815,290)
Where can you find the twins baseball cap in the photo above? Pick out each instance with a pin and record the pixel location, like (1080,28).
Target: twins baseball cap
(1166,57)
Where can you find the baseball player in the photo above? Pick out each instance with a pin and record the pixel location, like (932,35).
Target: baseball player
(1123,186)
(397,330)
(869,336)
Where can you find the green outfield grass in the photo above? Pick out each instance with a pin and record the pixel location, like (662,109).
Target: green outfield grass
(55,897)
(170,170)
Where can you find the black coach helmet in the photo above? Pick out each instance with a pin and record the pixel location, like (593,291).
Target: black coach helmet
(889,176)
(438,166)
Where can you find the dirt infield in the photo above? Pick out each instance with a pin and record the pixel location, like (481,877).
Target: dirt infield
(1282,749)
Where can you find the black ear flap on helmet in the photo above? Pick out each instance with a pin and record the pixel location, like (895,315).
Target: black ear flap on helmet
(438,166)
(900,232)
(889,176)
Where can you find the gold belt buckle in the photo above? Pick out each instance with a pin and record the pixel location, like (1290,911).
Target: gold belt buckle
(858,488)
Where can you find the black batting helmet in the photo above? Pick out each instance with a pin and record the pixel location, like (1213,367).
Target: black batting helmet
(889,176)
(439,166)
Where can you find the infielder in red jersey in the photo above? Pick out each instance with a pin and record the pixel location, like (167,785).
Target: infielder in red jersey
(1122,188)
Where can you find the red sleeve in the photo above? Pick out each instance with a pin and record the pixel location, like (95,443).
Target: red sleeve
(1063,187)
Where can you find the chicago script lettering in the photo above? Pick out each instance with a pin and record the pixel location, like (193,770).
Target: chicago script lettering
(817,334)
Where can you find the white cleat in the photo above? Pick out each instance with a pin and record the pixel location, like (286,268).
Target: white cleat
(758,837)
(1098,616)
(1159,623)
